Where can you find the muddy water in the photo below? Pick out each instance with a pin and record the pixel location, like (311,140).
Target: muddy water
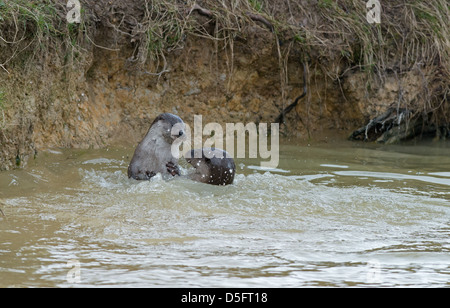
(331,215)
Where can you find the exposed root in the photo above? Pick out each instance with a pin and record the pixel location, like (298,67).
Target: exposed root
(201,11)
(281,116)
(252,16)
(256,17)
(393,126)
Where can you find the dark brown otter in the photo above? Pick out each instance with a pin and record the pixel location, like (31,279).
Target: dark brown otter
(212,166)
(153,154)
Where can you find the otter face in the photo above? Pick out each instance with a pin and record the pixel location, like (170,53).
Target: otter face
(212,166)
(169,127)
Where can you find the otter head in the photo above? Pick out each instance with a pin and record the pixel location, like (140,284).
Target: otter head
(212,166)
(168,127)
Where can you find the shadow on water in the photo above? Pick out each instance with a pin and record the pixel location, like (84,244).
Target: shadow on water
(341,214)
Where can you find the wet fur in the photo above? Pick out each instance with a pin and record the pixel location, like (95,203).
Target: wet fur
(153,154)
(217,170)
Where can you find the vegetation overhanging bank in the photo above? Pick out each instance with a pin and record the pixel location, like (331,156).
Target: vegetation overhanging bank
(395,74)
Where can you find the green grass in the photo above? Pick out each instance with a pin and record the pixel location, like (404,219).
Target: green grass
(257,5)
(37,15)
(326,4)
(412,35)
(32,28)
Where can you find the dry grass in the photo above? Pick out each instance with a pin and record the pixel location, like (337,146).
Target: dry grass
(32,30)
(413,35)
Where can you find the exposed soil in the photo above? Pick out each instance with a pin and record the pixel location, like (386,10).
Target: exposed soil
(107,96)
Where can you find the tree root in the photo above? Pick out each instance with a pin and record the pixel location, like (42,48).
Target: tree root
(201,11)
(255,17)
(282,115)
(393,126)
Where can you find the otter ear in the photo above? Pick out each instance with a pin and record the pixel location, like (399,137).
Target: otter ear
(158,118)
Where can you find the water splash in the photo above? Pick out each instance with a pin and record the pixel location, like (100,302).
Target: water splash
(302,228)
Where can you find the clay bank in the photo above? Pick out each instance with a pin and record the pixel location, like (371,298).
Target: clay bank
(91,74)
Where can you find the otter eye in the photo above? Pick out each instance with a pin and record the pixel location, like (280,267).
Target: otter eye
(207,159)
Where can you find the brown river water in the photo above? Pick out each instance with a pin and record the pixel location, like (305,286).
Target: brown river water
(341,214)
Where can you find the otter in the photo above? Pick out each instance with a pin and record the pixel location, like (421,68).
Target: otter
(212,166)
(153,154)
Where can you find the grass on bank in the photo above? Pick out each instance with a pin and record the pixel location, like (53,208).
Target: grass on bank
(412,36)
(31,30)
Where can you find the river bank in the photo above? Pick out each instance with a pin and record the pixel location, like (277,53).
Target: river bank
(101,82)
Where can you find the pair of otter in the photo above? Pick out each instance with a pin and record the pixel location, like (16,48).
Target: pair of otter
(154,155)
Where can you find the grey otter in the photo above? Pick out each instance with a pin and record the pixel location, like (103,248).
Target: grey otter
(153,154)
(212,166)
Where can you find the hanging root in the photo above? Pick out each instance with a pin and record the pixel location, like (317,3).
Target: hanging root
(282,115)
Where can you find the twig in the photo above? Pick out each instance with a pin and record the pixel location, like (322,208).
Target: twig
(102,47)
(164,70)
(156,74)
(1,65)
